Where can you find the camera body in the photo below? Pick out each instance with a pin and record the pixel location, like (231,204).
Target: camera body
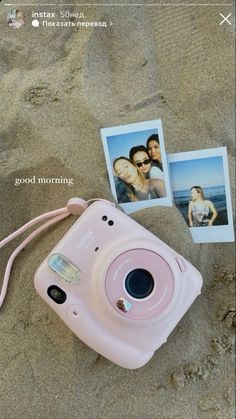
(118,287)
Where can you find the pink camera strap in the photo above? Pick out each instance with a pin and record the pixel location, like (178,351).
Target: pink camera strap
(75,206)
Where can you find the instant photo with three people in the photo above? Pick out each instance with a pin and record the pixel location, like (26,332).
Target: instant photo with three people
(137,165)
(142,175)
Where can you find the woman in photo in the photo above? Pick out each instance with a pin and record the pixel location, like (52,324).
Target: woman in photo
(139,155)
(199,209)
(138,188)
(154,150)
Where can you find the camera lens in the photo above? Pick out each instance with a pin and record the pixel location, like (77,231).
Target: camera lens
(56,294)
(139,283)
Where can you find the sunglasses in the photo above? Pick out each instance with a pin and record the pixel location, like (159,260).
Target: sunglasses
(146,161)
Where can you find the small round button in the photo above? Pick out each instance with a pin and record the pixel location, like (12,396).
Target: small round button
(76,312)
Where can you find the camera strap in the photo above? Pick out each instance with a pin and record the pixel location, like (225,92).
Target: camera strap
(75,206)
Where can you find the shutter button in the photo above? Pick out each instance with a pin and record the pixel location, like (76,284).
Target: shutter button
(181,263)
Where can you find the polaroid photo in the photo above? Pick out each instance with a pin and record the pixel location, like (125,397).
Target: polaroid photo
(201,191)
(137,165)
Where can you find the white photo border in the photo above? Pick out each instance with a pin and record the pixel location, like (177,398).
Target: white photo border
(130,207)
(213,234)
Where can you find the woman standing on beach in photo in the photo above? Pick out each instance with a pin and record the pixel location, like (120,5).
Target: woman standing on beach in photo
(138,187)
(199,208)
(154,151)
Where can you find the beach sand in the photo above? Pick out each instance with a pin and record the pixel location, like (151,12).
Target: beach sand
(58,89)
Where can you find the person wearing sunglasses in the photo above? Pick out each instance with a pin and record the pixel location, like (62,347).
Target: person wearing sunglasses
(137,186)
(139,155)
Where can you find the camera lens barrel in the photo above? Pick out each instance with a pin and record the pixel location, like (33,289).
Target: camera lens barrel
(139,283)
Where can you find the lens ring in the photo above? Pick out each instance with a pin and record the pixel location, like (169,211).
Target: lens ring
(139,283)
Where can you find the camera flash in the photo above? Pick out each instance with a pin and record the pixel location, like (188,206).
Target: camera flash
(64,268)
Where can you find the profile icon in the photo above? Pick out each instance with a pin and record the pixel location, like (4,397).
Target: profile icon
(15,19)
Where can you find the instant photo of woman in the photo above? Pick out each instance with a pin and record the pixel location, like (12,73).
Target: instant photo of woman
(201,191)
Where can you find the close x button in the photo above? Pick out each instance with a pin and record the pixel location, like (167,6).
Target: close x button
(225,19)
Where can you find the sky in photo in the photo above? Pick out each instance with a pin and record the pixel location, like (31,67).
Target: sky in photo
(204,172)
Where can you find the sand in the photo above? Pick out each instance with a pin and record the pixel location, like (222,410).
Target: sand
(58,88)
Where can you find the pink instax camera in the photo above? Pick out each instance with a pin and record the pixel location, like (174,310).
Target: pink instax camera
(119,288)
